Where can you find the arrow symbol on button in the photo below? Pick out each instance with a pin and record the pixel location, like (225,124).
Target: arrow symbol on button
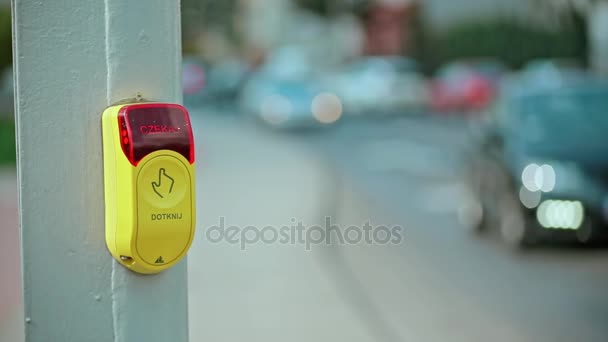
(164,184)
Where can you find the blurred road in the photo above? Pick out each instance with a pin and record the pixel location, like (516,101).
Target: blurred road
(444,283)
(11,326)
(441,283)
(264,292)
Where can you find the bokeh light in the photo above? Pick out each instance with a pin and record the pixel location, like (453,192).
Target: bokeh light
(560,214)
(276,109)
(535,177)
(326,108)
(529,199)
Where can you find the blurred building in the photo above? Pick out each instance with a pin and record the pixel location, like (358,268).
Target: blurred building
(268,25)
(391,25)
(388,27)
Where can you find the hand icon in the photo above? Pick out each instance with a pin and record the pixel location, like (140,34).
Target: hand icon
(164,186)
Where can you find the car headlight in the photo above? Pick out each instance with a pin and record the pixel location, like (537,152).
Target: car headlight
(560,214)
(276,109)
(552,176)
(326,108)
(536,177)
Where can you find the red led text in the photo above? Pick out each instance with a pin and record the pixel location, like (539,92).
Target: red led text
(153,129)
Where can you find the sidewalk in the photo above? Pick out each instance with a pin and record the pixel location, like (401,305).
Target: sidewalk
(11,326)
(266,292)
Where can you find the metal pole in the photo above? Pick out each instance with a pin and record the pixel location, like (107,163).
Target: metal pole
(72,59)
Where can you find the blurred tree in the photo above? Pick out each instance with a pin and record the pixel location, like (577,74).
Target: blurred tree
(333,7)
(200,16)
(591,16)
(318,6)
(558,8)
(6,55)
(511,41)
(7,141)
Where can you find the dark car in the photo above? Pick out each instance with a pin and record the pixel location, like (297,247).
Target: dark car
(542,173)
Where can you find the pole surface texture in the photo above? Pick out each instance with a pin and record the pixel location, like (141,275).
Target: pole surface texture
(72,59)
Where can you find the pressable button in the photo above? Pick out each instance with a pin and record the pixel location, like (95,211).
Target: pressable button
(163,181)
(164,186)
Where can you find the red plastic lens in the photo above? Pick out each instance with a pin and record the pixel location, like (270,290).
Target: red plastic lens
(151,127)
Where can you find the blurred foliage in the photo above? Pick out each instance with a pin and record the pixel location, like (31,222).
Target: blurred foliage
(203,15)
(418,38)
(7,142)
(318,6)
(512,42)
(6,55)
(333,7)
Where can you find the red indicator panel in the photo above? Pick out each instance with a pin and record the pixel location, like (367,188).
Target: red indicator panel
(145,128)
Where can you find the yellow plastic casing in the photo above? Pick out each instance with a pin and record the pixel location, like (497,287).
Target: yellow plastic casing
(150,207)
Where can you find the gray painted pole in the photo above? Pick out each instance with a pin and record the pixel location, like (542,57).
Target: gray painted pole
(72,59)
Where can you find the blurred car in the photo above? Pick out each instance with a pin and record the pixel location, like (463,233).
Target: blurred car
(380,85)
(205,84)
(551,72)
(466,86)
(545,74)
(285,93)
(225,79)
(542,174)
(194,80)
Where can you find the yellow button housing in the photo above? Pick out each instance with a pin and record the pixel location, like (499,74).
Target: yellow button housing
(150,202)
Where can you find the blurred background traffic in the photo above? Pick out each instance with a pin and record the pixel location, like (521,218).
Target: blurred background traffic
(478,125)
(524,80)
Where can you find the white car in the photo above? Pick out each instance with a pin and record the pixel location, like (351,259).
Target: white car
(377,85)
(285,93)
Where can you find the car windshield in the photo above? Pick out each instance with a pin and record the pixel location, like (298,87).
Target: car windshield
(568,123)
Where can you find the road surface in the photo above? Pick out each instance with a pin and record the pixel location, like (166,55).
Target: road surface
(443,283)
